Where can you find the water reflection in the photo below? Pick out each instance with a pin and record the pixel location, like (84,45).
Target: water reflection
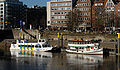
(28,60)
(85,59)
(15,53)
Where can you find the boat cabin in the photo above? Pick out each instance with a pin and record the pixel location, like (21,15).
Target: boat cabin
(83,45)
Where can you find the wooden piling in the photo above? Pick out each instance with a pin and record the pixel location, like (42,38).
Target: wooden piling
(58,39)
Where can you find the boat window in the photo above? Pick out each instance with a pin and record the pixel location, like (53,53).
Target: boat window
(30,45)
(42,40)
(71,42)
(76,47)
(38,46)
(22,46)
(39,40)
(44,45)
(13,42)
(48,45)
(87,42)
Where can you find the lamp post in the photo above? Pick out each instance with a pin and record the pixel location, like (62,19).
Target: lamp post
(14,21)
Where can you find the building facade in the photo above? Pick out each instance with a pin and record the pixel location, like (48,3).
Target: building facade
(117,15)
(98,15)
(109,16)
(57,11)
(36,16)
(83,10)
(11,12)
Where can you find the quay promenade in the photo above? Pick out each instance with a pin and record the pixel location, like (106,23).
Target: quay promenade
(107,40)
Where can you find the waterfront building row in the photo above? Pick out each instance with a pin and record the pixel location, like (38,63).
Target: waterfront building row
(95,14)
(11,13)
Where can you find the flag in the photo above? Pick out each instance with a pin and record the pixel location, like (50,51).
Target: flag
(20,29)
(30,27)
(20,23)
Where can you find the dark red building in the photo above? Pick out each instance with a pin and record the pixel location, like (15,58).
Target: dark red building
(98,10)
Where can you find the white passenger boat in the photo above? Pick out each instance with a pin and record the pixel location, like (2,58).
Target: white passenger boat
(41,45)
(84,47)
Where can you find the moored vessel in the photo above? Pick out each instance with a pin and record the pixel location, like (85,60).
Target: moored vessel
(40,45)
(84,47)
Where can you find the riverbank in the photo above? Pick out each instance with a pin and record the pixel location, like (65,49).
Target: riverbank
(107,40)
(5,45)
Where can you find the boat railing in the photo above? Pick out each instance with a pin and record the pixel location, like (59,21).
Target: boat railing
(13,42)
(82,42)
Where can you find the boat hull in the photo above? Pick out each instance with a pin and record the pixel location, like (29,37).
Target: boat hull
(98,52)
(32,49)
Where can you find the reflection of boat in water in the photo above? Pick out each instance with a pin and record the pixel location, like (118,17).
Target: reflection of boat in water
(84,59)
(30,54)
(84,47)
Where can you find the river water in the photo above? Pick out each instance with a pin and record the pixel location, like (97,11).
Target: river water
(26,60)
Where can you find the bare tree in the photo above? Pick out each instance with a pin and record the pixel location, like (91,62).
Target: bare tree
(109,19)
(98,18)
(74,19)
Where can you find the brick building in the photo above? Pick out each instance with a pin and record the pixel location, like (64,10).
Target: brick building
(83,8)
(109,15)
(117,15)
(98,13)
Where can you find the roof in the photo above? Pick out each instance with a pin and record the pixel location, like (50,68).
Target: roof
(100,1)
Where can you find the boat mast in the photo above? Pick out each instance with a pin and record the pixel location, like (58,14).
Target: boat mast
(39,37)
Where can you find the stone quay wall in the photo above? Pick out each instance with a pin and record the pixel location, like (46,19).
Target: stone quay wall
(108,40)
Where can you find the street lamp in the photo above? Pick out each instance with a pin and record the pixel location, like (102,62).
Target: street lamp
(14,21)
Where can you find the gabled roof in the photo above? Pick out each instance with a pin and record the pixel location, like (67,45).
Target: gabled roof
(74,3)
(100,1)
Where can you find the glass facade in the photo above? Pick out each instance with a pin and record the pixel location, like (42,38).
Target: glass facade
(11,12)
